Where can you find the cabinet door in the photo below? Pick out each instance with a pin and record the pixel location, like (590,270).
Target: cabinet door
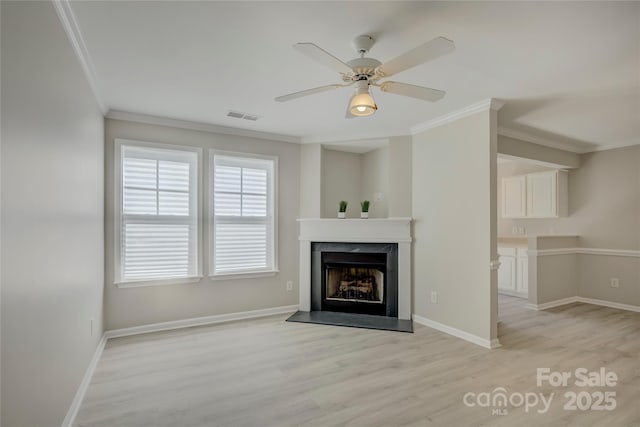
(507,273)
(542,195)
(522,272)
(514,201)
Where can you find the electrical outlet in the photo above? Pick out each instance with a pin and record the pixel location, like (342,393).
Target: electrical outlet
(289,285)
(615,283)
(434,297)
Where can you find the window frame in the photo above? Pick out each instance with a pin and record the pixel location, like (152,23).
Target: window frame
(243,274)
(119,281)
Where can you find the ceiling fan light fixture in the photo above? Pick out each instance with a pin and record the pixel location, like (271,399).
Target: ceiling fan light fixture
(362,103)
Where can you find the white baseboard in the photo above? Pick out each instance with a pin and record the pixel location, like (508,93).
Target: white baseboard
(570,300)
(490,344)
(200,321)
(513,293)
(609,304)
(552,304)
(84,385)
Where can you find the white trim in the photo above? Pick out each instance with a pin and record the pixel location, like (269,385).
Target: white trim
(609,252)
(487,104)
(200,321)
(513,293)
(490,344)
(274,166)
(117,211)
(71,28)
(233,276)
(158,282)
(320,238)
(609,304)
(69,419)
(613,147)
(198,126)
(571,300)
(552,304)
(548,252)
(585,251)
(338,140)
(566,146)
(524,136)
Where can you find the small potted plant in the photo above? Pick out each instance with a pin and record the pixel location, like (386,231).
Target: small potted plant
(342,209)
(364,205)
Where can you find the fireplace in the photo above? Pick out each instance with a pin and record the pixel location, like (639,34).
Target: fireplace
(355,278)
(388,239)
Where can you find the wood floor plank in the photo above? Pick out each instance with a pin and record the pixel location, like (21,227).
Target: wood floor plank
(268,372)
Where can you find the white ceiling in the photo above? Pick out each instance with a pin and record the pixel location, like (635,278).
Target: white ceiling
(569,72)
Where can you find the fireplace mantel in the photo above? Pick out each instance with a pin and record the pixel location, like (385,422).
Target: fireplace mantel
(378,230)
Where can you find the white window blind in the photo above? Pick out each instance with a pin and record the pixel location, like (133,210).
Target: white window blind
(243,214)
(158,214)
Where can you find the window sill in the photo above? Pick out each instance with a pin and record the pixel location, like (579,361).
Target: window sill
(158,282)
(233,276)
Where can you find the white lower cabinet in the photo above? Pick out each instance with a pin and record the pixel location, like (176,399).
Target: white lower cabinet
(507,270)
(513,271)
(522,272)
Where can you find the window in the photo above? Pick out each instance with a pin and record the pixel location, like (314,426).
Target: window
(158,207)
(243,227)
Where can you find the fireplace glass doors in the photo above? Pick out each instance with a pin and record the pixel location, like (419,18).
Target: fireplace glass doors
(354,284)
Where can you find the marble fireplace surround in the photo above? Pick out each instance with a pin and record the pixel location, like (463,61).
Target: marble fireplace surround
(379,230)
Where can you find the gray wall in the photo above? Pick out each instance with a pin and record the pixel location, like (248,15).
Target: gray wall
(375,179)
(400,175)
(341,180)
(128,307)
(453,248)
(355,177)
(52,218)
(311,199)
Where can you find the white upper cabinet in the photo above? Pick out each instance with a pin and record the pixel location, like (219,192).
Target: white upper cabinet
(514,199)
(536,195)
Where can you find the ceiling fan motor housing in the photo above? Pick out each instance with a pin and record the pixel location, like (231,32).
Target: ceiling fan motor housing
(362,67)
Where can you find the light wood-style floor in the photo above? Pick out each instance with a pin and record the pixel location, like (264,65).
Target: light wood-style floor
(268,372)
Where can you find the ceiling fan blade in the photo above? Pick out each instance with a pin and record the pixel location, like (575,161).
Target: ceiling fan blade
(322,56)
(418,92)
(421,54)
(296,95)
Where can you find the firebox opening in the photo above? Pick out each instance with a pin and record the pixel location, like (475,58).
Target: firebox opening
(358,284)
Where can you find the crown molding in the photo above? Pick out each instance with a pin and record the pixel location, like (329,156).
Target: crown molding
(613,147)
(71,28)
(487,104)
(198,126)
(524,136)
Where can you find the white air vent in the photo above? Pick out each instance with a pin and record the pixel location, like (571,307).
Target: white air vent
(241,115)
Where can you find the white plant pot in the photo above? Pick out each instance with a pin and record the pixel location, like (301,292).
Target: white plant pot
(364,215)
(342,215)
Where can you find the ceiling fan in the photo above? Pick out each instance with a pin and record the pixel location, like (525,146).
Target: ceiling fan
(366,72)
